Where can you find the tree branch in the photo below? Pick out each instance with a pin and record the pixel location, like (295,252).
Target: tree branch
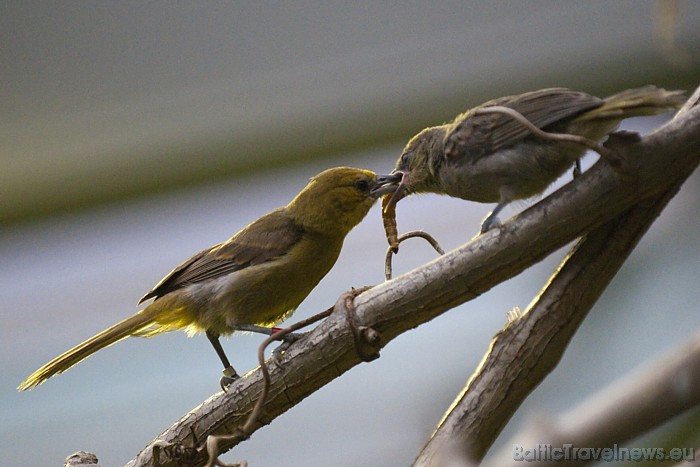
(649,396)
(528,349)
(649,167)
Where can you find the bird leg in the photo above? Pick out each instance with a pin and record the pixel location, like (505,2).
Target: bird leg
(230,374)
(492,220)
(287,340)
(289,337)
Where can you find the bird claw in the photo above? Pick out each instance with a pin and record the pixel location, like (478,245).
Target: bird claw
(291,338)
(577,169)
(491,222)
(277,353)
(228,378)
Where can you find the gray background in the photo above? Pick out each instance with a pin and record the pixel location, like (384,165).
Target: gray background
(135,134)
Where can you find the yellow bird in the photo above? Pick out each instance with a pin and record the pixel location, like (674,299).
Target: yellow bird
(256,278)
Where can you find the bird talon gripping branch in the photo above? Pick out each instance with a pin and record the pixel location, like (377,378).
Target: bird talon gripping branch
(278,351)
(229,377)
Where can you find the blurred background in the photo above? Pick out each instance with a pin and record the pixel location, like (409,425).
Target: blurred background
(134,134)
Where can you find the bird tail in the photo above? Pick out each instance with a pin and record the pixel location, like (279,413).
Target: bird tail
(119,331)
(639,102)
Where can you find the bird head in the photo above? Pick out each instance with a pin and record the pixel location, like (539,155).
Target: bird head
(336,200)
(414,171)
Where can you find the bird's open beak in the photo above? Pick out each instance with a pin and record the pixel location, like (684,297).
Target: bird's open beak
(387,184)
(396,183)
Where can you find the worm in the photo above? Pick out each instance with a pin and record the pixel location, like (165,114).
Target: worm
(389,221)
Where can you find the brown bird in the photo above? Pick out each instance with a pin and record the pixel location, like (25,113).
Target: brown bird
(255,279)
(492,158)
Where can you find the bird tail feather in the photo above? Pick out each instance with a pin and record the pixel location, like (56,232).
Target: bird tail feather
(109,336)
(639,102)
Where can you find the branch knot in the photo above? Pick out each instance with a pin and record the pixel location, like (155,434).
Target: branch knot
(367,340)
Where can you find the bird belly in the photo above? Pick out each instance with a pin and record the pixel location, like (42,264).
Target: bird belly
(517,172)
(264,295)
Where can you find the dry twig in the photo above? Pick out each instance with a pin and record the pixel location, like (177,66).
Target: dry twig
(388,270)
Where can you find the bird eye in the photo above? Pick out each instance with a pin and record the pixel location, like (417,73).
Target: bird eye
(405,158)
(362,185)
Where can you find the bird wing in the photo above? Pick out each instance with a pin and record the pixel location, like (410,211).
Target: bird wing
(270,237)
(474,136)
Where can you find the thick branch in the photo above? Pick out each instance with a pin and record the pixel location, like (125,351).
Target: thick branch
(651,395)
(650,167)
(527,350)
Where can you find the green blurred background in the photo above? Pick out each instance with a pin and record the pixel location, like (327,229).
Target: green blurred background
(134,134)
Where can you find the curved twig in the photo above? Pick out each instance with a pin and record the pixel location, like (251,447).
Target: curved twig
(414,233)
(245,431)
(538,132)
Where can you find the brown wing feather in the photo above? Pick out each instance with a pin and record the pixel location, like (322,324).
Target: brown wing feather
(475,136)
(269,237)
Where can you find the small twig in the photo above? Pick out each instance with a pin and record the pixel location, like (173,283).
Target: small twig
(414,233)
(362,335)
(277,336)
(245,431)
(538,132)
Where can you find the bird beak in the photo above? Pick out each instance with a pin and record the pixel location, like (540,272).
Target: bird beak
(395,183)
(387,184)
